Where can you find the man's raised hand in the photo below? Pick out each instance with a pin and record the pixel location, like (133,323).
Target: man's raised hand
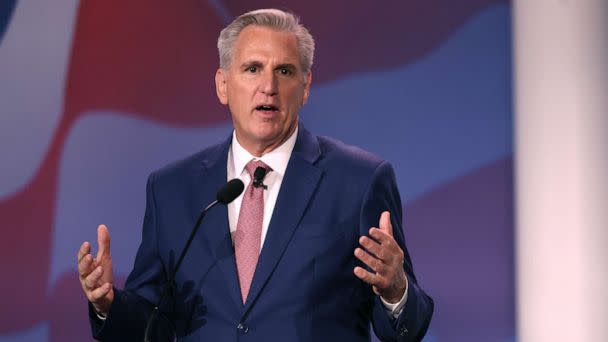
(95,274)
(384,257)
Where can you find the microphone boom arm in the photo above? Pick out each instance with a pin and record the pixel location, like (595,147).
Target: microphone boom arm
(225,195)
(156,309)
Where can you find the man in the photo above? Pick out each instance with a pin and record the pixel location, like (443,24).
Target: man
(295,258)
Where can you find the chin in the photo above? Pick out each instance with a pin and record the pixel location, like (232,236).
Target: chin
(267,138)
(266,130)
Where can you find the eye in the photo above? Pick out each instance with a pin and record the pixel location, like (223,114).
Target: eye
(285,71)
(252,69)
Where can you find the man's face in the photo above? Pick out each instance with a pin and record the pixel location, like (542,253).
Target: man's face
(264,87)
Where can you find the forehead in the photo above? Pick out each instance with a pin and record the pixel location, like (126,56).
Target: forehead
(265,44)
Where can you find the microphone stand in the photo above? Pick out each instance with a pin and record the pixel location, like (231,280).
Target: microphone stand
(156,309)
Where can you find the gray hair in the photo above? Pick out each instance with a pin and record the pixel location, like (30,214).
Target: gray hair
(272,18)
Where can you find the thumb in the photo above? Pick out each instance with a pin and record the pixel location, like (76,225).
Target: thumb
(103,241)
(385,223)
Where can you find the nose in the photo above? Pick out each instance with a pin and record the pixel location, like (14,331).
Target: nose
(269,83)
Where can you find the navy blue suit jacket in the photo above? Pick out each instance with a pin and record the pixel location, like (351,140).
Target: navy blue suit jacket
(303,289)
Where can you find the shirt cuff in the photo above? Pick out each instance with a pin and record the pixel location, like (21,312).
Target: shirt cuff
(394,309)
(100,316)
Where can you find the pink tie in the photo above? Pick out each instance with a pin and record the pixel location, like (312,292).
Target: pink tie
(248,235)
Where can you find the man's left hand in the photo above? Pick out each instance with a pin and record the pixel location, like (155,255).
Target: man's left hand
(384,257)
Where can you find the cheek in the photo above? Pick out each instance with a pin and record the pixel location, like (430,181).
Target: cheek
(240,92)
(239,104)
(295,96)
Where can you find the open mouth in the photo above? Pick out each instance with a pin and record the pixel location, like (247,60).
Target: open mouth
(267,108)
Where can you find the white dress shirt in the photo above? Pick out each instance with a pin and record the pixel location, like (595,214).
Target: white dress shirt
(277,160)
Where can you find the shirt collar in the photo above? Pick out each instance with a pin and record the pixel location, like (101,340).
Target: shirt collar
(277,159)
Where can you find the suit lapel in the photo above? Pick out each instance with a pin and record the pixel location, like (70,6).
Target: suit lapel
(297,188)
(217,232)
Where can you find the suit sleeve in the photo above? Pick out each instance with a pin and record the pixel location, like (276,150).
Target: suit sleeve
(411,325)
(129,312)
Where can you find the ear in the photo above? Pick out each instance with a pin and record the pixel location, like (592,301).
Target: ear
(220,86)
(307,87)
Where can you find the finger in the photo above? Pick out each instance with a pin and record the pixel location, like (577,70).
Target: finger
(371,278)
(391,249)
(85,266)
(365,275)
(103,241)
(375,264)
(386,249)
(85,249)
(91,281)
(381,236)
(372,247)
(100,292)
(385,223)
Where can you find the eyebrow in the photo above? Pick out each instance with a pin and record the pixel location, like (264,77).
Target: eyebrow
(255,63)
(286,66)
(250,64)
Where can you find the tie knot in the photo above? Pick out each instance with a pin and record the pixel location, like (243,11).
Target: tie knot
(254,164)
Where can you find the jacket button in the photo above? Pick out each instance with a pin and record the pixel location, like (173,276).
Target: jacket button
(242,328)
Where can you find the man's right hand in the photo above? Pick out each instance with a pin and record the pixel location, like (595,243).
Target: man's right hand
(96,273)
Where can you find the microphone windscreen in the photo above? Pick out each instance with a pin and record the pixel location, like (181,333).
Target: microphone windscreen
(230,191)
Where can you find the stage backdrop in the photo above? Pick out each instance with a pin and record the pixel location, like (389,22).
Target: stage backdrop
(96,94)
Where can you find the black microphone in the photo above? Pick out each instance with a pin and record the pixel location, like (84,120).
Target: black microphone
(258,177)
(226,194)
(229,192)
